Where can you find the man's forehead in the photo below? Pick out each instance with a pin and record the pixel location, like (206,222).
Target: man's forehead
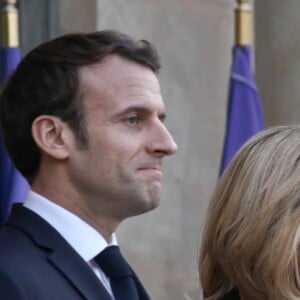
(131,81)
(115,68)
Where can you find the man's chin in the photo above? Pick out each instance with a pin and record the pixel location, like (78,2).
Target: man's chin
(154,204)
(151,202)
(147,207)
(154,198)
(147,198)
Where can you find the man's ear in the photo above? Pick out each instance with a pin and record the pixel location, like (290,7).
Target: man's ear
(52,136)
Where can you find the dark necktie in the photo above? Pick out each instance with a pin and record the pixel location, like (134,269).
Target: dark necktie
(120,274)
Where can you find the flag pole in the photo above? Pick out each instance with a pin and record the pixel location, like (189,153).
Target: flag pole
(243,22)
(244,110)
(10,53)
(10,24)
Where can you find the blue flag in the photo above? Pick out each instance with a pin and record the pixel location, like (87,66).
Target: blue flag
(13,187)
(244,114)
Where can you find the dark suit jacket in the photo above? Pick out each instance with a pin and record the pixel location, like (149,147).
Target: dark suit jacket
(36,263)
(232,295)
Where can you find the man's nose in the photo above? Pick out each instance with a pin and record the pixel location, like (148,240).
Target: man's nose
(162,141)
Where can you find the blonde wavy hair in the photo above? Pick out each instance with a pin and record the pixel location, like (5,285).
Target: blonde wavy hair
(252,232)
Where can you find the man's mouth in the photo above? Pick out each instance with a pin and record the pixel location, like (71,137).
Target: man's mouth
(155,172)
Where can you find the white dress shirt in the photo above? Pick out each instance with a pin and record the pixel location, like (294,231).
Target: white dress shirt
(85,240)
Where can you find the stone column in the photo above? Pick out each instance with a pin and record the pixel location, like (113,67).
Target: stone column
(77,15)
(278,59)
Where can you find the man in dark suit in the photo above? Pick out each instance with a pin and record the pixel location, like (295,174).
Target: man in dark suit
(82,118)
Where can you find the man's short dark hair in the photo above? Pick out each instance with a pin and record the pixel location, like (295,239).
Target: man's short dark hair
(47,82)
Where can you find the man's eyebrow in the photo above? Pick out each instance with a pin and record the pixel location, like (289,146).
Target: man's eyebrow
(141,109)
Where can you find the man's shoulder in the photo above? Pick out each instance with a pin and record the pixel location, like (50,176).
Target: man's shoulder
(26,270)
(19,247)
(15,244)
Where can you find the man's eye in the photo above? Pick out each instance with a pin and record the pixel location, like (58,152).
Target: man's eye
(134,120)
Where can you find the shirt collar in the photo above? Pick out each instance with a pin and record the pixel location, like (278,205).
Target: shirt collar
(81,236)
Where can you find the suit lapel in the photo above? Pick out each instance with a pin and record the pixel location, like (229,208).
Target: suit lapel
(79,273)
(61,254)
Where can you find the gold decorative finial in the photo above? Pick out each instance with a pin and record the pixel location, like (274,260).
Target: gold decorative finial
(243,23)
(10,24)
(12,2)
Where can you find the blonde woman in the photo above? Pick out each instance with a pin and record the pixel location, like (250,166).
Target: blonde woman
(250,247)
